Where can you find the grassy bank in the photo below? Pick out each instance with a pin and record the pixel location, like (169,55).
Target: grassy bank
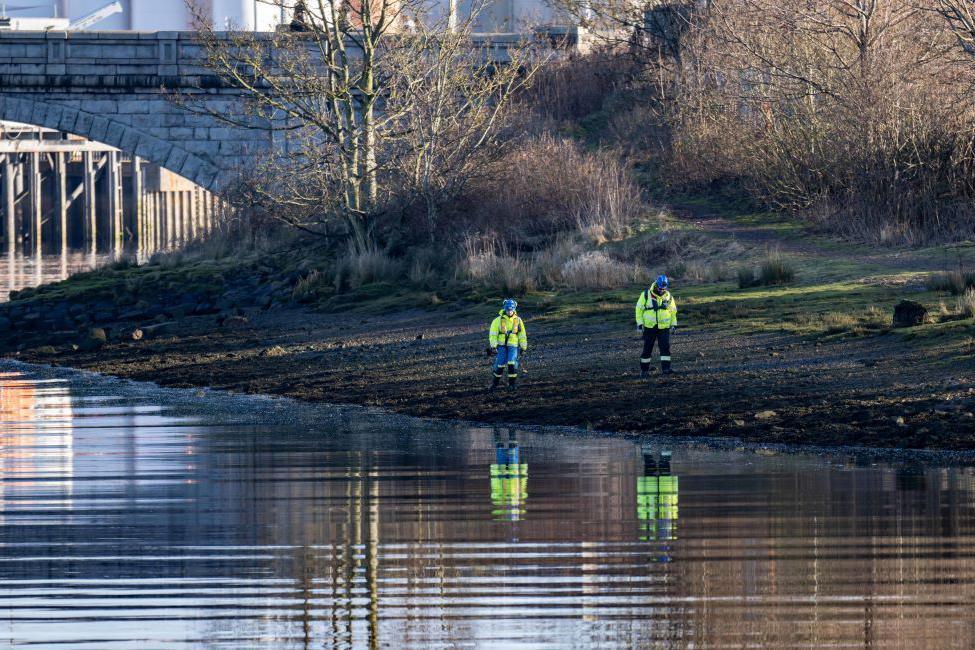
(816,350)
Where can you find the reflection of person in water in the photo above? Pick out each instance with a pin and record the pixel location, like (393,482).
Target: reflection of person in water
(509,478)
(656,502)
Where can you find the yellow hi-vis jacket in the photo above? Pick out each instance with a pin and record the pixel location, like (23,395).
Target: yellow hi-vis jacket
(656,309)
(508,331)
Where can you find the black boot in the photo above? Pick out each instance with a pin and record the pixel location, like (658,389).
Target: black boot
(496,381)
(512,381)
(644,374)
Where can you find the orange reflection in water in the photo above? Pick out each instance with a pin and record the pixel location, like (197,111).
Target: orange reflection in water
(35,440)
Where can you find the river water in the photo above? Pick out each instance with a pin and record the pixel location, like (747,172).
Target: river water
(138,517)
(18,271)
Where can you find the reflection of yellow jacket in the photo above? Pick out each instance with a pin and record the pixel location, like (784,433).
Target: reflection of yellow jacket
(656,506)
(656,308)
(507,330)
(509,489)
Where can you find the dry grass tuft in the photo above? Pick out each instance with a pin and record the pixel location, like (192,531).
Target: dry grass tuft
(966,303)
(597,270)
(954,282)
(365,264)
(774,270)
(487,262)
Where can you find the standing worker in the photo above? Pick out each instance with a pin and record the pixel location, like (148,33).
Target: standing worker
(507,336)
(656,317)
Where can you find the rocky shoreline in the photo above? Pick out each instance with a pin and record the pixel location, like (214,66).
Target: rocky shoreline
(147,306)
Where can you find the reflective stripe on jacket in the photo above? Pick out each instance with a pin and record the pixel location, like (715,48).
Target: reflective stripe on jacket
(656,309)
(508,331)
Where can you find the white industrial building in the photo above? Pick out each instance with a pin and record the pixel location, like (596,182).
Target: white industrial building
(250,15)
(153,15)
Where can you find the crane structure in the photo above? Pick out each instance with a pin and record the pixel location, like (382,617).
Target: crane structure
(97,16)
(44,23)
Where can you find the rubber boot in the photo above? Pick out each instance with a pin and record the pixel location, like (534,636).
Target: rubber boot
(665,457)
(665,368)
(512,381)
(644,374)
(496,381)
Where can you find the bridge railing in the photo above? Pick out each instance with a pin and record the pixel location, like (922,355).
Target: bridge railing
(124,59)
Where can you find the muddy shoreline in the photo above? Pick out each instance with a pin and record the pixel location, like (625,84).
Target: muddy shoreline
(273,409)
(770,388)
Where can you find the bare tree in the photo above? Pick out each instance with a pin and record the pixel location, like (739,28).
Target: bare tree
(960,15)
(850,109)
(366,98)
(653,31)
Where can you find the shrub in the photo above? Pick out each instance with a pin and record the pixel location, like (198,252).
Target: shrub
(547,187)
(427,269)
(307,287)
(834,322)
(775,270)
(549,262)
(488,263)
(746,277)
(966,303)
(365,264)
(882,150)
(596,270)
(955,282)
(422,273)
(577,86)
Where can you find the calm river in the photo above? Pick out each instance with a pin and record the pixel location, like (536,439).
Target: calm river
(138,517)
(18,271)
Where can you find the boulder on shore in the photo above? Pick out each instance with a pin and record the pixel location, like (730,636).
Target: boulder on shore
(95,340)
(155,331)
(908,313)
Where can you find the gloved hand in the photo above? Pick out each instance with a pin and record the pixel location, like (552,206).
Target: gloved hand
(494,350)
(639,327)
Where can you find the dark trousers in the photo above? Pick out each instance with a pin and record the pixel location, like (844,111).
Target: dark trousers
(661,337)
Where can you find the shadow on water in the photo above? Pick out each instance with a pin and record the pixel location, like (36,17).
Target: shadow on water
(134,517)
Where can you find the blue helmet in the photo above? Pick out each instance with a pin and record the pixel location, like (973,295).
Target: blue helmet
(662,282)
(509,305)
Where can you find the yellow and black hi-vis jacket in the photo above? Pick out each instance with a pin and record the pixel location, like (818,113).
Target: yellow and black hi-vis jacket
(656,308)
(508,330)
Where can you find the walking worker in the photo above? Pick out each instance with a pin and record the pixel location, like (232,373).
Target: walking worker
(656,317)
(507,336)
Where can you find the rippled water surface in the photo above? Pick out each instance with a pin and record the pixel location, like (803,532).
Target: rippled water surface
(136,517)
(18,271)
